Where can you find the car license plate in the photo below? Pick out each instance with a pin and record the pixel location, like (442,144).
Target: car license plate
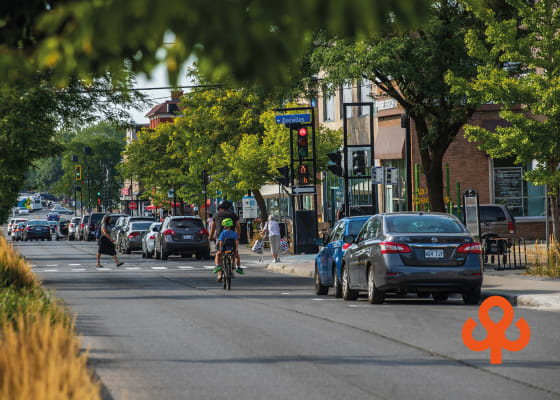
(187,237)
(433,254)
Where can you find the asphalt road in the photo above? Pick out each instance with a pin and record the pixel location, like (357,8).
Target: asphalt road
(173,333)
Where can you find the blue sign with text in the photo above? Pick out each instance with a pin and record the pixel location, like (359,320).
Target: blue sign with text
(293,119)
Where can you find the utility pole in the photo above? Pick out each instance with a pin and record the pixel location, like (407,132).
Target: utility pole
(74,158)
(87,151)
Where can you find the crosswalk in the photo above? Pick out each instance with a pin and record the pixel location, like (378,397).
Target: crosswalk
(81,268)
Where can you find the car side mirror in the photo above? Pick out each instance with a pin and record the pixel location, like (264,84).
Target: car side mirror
(320,242)
(155,229)
(349,239)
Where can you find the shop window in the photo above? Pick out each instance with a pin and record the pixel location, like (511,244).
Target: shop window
(394,196)
(521,197)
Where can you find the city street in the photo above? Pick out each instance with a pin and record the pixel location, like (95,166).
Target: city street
(167,330)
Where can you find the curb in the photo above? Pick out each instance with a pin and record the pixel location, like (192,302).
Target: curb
(291,270)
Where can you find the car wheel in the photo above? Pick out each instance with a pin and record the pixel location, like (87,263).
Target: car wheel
(164,254)
(347,293)
(320,290)
(206,254)
(423,295)
(337,287)
(148,254)
(127,250)
(198,255)
(49,238)
(56,237)
(472,296)
(440,297)
(375,296)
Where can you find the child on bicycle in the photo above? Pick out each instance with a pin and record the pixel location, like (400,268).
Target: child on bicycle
(228,240)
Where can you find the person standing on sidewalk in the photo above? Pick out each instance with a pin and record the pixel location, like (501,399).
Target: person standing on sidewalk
(272,231)
(106,244)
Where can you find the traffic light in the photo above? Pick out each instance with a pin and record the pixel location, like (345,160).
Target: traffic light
(98,202)
(98,194)
(78,172)
(285,178)
(303,175)
(336,159)
(302,142)
(359,162)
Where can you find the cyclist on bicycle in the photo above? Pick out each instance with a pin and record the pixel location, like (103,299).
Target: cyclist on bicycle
(228,240)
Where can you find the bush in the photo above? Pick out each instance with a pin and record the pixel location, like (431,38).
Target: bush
(41,360)
(31,302)
(14,271)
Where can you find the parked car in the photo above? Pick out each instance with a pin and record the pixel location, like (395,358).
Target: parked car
(63,210)
(36,229)
(149,240)
(73,228)
(52,225)
(329,259)
(83,223)
(13,222)
(136,231)
(17,231)
(115,230)
(95,220)
(22,211)
(115,218)
(124,230)
(53,216)
(184,235)
(426,253)
(61,231)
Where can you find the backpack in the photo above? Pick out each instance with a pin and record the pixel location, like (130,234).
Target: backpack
(98,232)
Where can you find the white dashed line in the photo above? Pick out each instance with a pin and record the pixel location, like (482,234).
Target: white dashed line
(186,267)
(318,299)
(132,268)
(50,270)
(52,265)
(78,269)
(286,293)
(209,266)
(159,267)
(74,265)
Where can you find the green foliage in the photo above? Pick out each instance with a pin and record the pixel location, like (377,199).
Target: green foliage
(410,66)
(251,39)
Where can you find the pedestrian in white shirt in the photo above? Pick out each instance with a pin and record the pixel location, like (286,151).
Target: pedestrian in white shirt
(272,231)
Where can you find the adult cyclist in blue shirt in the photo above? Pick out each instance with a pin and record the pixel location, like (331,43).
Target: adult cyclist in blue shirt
(228,240)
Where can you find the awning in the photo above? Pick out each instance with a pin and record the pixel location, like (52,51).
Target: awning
(389,144)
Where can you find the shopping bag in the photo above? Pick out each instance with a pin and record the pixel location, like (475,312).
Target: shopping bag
(284,245)
(258,246)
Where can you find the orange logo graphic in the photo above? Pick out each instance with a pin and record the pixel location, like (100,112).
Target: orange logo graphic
(496,337)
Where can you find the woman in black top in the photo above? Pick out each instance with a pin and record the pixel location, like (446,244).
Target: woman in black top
(106,244)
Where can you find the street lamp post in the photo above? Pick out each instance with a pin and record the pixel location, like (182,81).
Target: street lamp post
(74,158)
(87,151)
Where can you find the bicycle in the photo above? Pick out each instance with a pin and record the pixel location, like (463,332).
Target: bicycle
(227,269)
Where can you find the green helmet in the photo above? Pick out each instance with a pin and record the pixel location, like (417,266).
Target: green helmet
(227,222)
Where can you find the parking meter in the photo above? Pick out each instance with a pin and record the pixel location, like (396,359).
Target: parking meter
(472,212)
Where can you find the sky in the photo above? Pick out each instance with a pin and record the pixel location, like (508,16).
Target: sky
(158,79)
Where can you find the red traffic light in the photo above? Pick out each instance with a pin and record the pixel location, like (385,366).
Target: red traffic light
(302,132)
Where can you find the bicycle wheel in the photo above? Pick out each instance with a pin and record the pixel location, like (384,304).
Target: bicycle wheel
(229,270)
(225,272)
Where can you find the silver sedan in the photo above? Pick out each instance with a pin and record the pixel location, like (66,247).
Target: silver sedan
(149,239)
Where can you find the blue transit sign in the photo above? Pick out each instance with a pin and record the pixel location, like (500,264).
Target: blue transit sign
(293,118)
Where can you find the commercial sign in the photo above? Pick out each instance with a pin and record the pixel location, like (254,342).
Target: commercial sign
(293,119)
(250,209)
(125,191)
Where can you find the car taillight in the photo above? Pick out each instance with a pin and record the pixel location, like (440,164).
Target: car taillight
(81,226)
(71,225)
(27,229)
(511,227)
(346,245)
(392,247)
(472,248)
(203,232)
(169,232)
(151,237)
(133,234)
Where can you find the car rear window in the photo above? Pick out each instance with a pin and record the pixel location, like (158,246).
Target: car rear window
(185,223)
(355,226)
(140,226)
(423,224)
(489,213)
(96,218)
(75,220)
(38,222)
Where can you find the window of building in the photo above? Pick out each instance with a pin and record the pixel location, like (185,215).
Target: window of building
(364,95)
(346,97)
(521,197)
(328,104)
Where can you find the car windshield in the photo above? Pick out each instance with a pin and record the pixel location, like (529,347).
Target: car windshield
(423,224)
(185,223)
(37,222)
(140,226)
(96,218)
(355,226)
(75,220)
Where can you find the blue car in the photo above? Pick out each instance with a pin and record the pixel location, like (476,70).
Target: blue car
(328,260)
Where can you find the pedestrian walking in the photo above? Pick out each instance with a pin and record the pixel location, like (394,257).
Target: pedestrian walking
(272,231)
(209,222)
(106,244)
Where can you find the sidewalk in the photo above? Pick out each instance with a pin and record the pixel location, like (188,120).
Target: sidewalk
(520,290)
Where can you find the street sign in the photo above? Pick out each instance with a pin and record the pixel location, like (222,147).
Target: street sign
(170,194)
(132,205)
(391,176)
(303,190)
(249,207)
(377,175)
(293,118)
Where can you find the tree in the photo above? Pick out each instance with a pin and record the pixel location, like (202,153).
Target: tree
(528,75)
(254,162)
(411,66)
(249,38)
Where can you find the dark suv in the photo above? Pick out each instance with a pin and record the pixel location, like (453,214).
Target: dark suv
(496,221)
(182,235)
(95,219)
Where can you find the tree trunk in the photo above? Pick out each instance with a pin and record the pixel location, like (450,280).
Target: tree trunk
(181,206)
(261,204)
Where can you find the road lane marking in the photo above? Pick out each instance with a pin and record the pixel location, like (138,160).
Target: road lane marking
(74,265)
(209,266)
(318,299)
(78,269)
(186,267)
(286,293)
(132,268)
(50,270)
(159,267)
(51,265)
